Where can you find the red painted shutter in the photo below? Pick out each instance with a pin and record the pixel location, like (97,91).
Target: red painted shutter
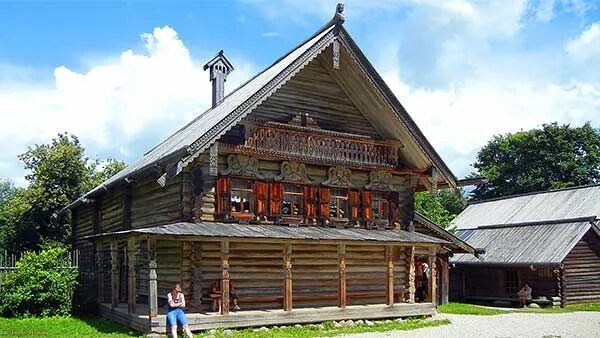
(309,196)
(276,195)
(261,191)
(223,195)
(367,200)
(393,199)
(324,195)
(354,203)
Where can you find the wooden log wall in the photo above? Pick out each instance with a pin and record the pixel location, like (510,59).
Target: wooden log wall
(82,226)
(314,274)
(168,270)
(111,210)
(582,271)
(153,205)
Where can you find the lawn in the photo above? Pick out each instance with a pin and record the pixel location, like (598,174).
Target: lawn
(469,309)
(63,327)
(87,327)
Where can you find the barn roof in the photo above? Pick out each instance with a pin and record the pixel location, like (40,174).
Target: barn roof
(233,230)
(537,243)
(534,207)
(456,244)
(189,142)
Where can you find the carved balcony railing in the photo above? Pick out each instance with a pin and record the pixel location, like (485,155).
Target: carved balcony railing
(318,146)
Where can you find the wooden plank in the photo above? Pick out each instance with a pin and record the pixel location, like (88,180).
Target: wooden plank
(432,294)
(287,288)
(390,275)
(114,273)
(342,300)
(99,273)
(411,274)
(225,278)
(445,280)
(152,279)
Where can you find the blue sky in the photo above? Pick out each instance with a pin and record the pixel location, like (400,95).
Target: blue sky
(123,75)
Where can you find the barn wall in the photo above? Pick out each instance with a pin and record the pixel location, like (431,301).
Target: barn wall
(582,271)
(154,205)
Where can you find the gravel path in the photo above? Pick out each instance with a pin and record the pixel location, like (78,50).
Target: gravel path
(514,325)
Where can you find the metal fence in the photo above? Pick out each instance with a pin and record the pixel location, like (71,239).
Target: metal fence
(8,262)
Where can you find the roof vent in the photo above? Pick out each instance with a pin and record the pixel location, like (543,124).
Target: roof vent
(219,67)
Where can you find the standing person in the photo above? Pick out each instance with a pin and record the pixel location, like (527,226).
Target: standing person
(524,294)
(175,306)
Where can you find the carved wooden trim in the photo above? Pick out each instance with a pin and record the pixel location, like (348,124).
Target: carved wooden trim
(242,165)
(292,171)
(380,180)
(339,176)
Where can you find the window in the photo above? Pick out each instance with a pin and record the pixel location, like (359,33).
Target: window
(380,206)
(511,283)
(242,196)
(338,203)
(292,200)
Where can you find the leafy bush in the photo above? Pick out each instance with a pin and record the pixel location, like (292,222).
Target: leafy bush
(41,285)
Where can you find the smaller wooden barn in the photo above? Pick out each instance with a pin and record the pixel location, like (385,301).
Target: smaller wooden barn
(549,239)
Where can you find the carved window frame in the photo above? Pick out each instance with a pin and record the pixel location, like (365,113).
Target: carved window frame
(242,191)
(337,197)
(287,193)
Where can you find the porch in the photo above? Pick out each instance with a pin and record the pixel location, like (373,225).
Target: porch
(254,318)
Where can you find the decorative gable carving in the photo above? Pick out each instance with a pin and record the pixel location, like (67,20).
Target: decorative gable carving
(242,165)
(293,171)
(339,176)
(380,180)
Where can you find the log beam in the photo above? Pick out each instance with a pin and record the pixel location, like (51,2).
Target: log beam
(287,287)
(225,278)
(411,274)
(114,274)
(389,258)
(342,276)
(131,276)
(152,283)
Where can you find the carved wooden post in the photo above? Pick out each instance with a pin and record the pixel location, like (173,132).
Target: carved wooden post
(432,276)
(99,272)
(389,258)
(445,274)
(287,287)
(411,274)
(342,275)
(131,277)
(563,296)
(114,274)
(152,284)
(197,275)
(225,278)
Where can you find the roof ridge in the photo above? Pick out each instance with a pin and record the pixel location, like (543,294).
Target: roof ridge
(493,199)
(533,223)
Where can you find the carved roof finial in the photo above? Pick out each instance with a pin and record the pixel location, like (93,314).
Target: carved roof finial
(339,13)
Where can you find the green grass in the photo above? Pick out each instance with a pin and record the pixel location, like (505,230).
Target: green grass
(63,327)
(590,307)
(468,309)
(330,330)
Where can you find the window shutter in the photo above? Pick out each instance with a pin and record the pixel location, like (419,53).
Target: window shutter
(275,199)
(223,195)
(367,201)
(261,191)
(354,203)
(324,195)
(394,201)
(309,196)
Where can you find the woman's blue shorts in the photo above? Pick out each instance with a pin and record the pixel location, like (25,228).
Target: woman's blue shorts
(174,316)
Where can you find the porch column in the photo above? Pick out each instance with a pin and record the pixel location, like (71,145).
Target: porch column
(131,277)
(287,287)
(114,274)
(342,275)
(389,259)
(152,284)
(225,278)
(99,273)
(432,287)
(563,295)
(411,274)
(445,274)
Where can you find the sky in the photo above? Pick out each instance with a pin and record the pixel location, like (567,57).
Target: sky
(124,75)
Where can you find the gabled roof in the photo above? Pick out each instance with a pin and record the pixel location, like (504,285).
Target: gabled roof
(196,137)
(541,243)
(456,244)
(534,207)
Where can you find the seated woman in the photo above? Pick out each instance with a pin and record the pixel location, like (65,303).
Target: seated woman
(215,295)
(524,295)
(175,306)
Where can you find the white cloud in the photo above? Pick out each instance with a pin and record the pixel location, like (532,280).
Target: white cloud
(112,105)
(586,46)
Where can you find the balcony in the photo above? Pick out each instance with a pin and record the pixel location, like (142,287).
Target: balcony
(318,146)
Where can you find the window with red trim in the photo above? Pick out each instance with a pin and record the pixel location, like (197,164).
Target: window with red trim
(380,206)
(242,196)
(338,204)
(292,200)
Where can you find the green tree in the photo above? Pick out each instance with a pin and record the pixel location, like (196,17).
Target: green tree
(59,173)
(554,156)
(440,207)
